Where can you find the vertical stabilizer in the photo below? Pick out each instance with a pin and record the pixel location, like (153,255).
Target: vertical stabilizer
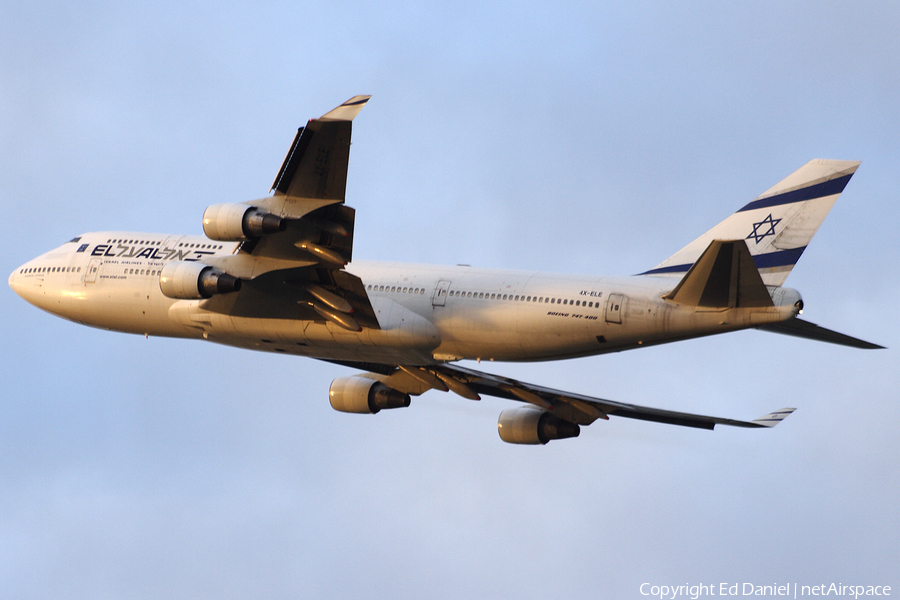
(778,225)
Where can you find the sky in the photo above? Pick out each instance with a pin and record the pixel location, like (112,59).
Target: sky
(587,138)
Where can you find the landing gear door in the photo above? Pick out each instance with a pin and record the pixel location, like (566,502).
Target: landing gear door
(440,293)
(614,307)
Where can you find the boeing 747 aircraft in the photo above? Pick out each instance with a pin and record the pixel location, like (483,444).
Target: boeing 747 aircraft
(278,275)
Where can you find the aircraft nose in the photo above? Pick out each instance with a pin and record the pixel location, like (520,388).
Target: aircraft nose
(28,290)
(12,280)
(17,283)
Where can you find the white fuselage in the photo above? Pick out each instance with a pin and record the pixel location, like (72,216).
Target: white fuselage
(426,313)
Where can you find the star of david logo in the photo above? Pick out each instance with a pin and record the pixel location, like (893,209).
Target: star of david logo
(759,229)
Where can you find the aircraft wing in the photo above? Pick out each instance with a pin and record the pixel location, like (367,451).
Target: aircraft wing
(298,272)
(309,194)
(574,408)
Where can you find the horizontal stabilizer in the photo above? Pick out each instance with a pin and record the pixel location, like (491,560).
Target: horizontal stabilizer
(724,276)
(774,418)
(811,331)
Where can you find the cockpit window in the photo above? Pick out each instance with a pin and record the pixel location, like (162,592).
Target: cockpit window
(75,240)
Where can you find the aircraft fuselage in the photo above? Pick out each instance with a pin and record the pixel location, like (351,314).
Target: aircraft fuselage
(427,314)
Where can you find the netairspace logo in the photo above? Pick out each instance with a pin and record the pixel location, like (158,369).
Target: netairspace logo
(790,590)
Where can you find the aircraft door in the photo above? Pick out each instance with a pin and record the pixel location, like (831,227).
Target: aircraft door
(169,244)
(614,307)
(440,293)
(92,269)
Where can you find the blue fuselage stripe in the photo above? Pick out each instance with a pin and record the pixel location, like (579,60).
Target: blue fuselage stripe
(820,190)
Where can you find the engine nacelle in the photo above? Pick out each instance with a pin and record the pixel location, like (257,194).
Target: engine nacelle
(184,280)
(362,395)
(235,222)
(533,426)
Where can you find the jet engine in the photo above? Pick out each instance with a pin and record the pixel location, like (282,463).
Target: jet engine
(362,395)
(533,426)
(236,222)
(192,280)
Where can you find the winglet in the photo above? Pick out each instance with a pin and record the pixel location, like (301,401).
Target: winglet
(348,110)
(774,418)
